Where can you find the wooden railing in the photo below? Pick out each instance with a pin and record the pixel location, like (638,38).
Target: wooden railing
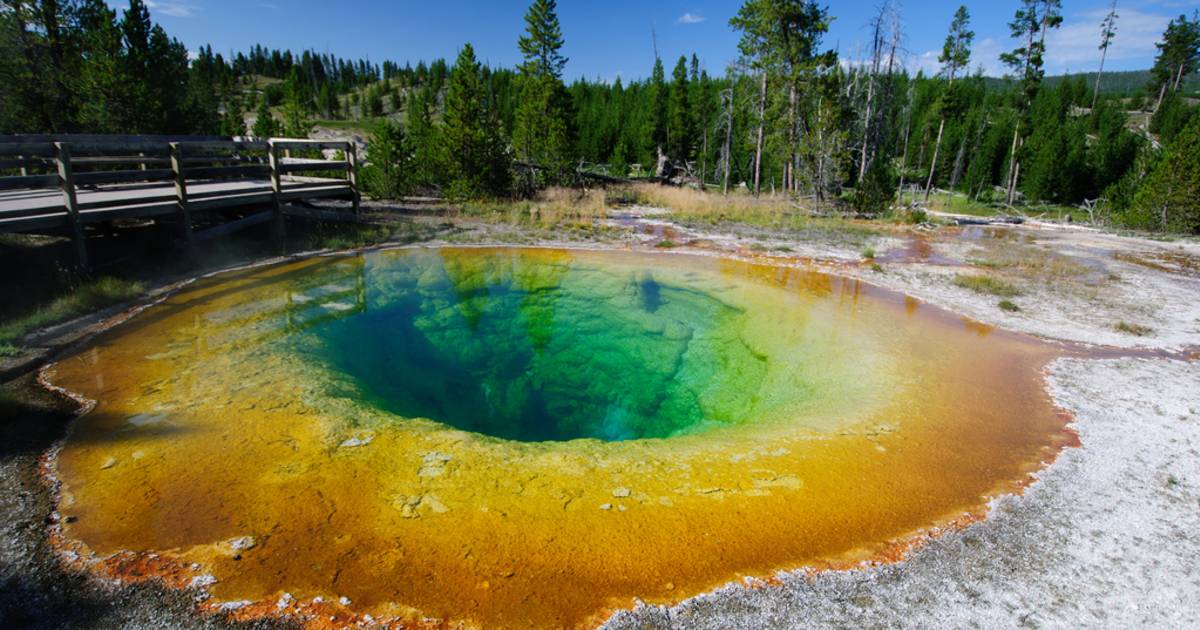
(101,178)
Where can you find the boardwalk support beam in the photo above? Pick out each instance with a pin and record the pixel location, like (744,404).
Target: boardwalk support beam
(352,174)
(278,226)
(66,177)
(181,194)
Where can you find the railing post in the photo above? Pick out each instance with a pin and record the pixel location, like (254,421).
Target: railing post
(181,195)
(352,174)
(66,179)
(277,223)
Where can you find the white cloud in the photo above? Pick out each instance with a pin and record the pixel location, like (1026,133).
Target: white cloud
(173,9)
(691,18)
(1075,46)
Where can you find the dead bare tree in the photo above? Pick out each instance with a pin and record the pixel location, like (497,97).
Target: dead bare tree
(726,120)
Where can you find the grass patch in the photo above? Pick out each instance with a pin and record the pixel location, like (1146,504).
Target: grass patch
(8,350)
(868,253)
(876,267)
(666,244)
(563,208)
(1009,306)
(1136,330)
(780,213)
(987,284)
(83,299)
(9,406)
(338,235)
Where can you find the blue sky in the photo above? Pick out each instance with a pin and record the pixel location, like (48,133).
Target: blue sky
(606,39)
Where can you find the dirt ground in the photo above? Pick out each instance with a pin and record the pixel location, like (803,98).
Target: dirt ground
(1106,535)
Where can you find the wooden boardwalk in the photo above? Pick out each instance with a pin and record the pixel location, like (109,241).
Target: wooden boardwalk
(64,184)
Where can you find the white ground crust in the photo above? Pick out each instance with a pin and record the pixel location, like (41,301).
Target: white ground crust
(1109,535)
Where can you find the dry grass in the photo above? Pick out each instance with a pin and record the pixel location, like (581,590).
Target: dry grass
(1136,330)
(1031,261)
(689,203)
(782,216)
(552,208)
(987,284)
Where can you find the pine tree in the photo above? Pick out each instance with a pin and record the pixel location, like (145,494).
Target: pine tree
(426,163)
(233,123)
(956,54)
(265,125)
(657,101)
(1169,199)
(1030,23)
(542,134)
(1108,30)
(388,159)
(679,118)
(295,107)
(1178,56)
(476,162)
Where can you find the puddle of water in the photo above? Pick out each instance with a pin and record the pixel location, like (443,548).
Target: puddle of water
(917,249)
(362,420)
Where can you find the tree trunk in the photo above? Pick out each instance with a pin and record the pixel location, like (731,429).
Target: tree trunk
(1012,162)
(862,164)
(728,141)
(937,147)
(762,115)
(790,169)
(1099,73)
(958,163)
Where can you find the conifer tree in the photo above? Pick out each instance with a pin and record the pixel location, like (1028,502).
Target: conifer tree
(1108,30)
(679,118)
(542,130)
(265,125)
(389,156)
(426,163)
(476,161)
(956,54)
(1031,24)
(657,101)
(233,123)
(1178,56)
(1169,199)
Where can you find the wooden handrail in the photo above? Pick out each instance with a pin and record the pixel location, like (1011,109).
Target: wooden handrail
(75,163)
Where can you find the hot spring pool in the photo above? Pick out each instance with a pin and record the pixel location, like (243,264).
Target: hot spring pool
(531,436)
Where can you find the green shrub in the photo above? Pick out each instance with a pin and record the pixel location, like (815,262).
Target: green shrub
(1133,329)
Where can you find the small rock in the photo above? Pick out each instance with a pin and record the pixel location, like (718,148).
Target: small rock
(243,543)
(357,441)
(343,600)
(200,581)
(605,506)
(108,463)
(620,493)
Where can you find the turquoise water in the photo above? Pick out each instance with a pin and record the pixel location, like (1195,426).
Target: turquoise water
(526,346)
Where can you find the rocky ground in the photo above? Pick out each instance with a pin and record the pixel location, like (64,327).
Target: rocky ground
(1105,537)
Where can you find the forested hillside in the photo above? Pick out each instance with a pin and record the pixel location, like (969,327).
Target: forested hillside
(789,116)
